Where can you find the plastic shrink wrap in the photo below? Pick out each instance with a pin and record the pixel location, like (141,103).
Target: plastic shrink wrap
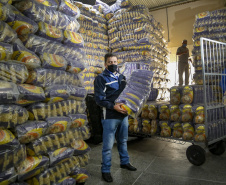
(39,12)
(58,124)
(13,71)
(136,91)
(22,54)
(52,61)
(6,51)
(31,131)
(8,92)
(29,94)
(12,115)
(7,34)
(32,166)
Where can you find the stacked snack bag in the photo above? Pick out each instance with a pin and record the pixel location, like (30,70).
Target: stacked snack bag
(137,40)
(184,117)
(208,25)
(41,81)
(93,28)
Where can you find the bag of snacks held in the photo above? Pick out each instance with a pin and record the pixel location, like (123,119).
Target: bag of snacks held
(58,124)
(29,94)
(186,113)
(175,95)
(22,54)
(78,120)
(80,175)
(177,130)
(32,166)
(200,135)
(153,112)
(188,131)
(165,129)
(52,61)
(13,71)
(164,112)
(60,155)
(8,92)
(174,113)
(199,116)
(50,32)
(31,131)
(6,51)
(187,95)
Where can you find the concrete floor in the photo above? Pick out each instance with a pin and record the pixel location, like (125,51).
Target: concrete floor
(158,163)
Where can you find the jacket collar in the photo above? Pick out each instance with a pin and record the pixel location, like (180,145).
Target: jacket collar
(108,73)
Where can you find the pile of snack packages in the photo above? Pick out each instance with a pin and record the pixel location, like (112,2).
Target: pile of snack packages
(136,38)
(183,118)
(43,123)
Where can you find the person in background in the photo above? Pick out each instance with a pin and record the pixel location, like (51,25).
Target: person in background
(107,87)
(183,65)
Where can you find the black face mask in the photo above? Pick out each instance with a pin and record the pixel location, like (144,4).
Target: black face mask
(112,68)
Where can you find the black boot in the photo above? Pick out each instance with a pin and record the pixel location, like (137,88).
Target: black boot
(107,177)
(128,167)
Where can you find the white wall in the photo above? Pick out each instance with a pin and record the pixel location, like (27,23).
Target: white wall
(181,19)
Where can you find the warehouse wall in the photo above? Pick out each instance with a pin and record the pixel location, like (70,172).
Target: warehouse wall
(181,19)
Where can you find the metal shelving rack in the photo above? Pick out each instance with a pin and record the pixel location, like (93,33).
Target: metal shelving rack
(213,56)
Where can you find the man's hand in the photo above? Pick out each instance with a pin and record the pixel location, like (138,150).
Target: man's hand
(118,108)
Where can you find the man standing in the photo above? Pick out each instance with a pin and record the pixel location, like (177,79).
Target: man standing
(183,65)
(107,87)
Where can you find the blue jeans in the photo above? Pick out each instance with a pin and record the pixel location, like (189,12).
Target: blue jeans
(114,128)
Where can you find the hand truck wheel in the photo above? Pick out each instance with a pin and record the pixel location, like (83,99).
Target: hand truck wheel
(217,148)
(196,155)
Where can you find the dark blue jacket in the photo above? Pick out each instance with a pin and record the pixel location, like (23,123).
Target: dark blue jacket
(107,88)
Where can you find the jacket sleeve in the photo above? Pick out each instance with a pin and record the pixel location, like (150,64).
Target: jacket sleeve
(100,95)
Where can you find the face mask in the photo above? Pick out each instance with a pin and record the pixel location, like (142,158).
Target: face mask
(184,45)
(112,68)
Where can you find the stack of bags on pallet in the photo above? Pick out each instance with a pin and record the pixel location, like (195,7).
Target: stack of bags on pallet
(210,25)
(136,38)
(184,118)
(42,113)
(93,28)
